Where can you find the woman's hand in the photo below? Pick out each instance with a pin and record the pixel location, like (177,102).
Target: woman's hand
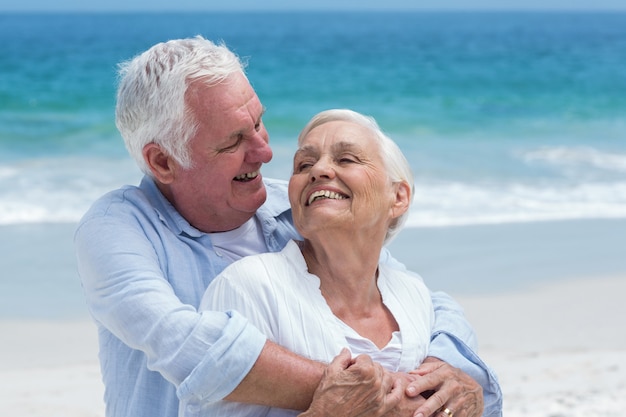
(355,388)
(447,388)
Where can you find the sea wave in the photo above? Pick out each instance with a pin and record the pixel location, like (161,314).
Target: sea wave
(457,203)
(61,190)
(58,190)
(577,157)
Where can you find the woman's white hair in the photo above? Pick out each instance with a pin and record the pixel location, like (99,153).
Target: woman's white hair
(151,94)
(396,164)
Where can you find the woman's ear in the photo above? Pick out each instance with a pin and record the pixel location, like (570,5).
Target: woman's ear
(403,199)
(161,165)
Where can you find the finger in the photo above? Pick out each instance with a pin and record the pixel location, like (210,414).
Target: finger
(468,403)
(340,362)
(458,409)
(432,405)
(428,367)
(394,395)
(429,382)
(363,360)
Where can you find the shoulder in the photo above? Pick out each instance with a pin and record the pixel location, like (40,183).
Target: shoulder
(402,281)
(133,205)
(252,282)
(272,272)
(276,185)
(123,204)
(264,267)
(277,196)
(127,212)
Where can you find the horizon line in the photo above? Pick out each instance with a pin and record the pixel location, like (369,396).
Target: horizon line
(308,10)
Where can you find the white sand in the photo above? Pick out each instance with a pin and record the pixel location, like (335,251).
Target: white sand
(49,369)
(558,347)
(559,350)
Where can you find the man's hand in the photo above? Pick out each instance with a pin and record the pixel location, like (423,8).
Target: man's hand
(353,388)
(407,405)
(453,390)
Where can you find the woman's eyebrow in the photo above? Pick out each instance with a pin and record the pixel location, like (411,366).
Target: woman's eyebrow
(346,146)
(306,150)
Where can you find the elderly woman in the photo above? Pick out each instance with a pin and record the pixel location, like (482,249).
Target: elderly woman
(350,193)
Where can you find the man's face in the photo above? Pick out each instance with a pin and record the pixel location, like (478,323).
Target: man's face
(223,188)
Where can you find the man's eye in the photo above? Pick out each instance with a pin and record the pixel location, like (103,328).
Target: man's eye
(257,126)
(233,147)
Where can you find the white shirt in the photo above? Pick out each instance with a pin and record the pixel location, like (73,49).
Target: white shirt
(279,296)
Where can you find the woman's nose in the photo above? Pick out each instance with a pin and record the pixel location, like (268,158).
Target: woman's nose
(322,169)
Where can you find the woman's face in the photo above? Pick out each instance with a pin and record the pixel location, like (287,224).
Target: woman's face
(339,182)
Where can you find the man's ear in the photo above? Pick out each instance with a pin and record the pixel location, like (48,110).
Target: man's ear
(161,165)
(403,199)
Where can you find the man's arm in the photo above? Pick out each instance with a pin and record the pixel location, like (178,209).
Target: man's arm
(207,355)
(460,380)
(280,378)
(128,294)
(346,387)
(453,341)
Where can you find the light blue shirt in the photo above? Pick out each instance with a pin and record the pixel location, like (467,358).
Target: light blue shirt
(144,270)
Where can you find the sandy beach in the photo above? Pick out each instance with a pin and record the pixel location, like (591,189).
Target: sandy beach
(556,340)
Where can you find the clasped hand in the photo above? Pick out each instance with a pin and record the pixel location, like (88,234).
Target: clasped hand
(360,387)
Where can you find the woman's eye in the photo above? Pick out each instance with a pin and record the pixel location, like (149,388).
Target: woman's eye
(303,166)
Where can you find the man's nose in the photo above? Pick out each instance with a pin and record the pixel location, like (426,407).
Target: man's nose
(259,150)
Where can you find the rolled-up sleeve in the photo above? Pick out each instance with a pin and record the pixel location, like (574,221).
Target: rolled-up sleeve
(226,363)
(135,293)
(454,342)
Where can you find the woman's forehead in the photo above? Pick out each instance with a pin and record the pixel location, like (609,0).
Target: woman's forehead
(339,134)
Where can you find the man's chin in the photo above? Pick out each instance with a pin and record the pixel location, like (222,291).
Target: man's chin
(250,202)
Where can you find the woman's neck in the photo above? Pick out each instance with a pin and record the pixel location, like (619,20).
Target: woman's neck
(347,269)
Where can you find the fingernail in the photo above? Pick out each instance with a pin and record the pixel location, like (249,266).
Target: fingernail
(413,391)
(419,415)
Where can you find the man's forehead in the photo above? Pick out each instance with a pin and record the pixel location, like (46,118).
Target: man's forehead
(232,98)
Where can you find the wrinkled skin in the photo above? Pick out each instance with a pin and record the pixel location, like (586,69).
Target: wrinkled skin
(355,388)
(453,389)
(360,387)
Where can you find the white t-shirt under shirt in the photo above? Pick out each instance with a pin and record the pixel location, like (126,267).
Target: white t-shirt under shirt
(278,295)
(245,240)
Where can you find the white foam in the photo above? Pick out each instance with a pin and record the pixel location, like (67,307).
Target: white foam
(58,190)
(62,189)
(581,156)
(456,203)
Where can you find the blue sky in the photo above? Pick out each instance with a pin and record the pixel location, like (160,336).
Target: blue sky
(160,5)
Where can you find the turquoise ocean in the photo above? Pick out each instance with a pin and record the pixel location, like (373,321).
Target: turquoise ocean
(505,117)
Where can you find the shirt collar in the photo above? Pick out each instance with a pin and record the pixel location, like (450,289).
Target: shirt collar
(166,212)
(273,207)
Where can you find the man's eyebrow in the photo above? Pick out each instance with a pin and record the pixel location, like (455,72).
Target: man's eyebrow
(241,132)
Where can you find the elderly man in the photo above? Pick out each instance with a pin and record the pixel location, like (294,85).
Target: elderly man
(146,254)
